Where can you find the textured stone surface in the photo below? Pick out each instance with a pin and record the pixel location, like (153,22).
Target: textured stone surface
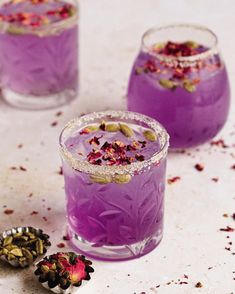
(110,39)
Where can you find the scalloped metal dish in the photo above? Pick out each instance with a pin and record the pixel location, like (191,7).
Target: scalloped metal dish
(59,290)
(38,232)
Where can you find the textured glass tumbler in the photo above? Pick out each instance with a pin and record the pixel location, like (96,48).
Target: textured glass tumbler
(179,78)
(39,53)
(114,212)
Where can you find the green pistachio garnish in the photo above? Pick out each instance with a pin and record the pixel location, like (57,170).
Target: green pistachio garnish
(39,247)
(92,128)
(150,135)
(126,130)
(112,128)
(22,248)
(100,179)
(168,84)
(191,44)
(121,179)
(189,86)
(7,241)
(17,252)
(139,70)
(14,30)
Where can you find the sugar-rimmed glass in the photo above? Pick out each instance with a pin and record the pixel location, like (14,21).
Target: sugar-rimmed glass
(39,52)
(114,220)
(189,95)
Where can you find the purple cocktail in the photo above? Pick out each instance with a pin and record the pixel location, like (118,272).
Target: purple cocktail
(181,83)
(39,52)
(114,166)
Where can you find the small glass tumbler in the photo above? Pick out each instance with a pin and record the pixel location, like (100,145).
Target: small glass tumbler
(114,212)
(180,79)
(39,52)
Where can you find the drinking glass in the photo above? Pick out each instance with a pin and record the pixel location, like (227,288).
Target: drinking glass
(180,79)
(39,52)
(114,212)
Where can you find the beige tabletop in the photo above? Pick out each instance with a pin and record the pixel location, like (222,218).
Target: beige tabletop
(193,247)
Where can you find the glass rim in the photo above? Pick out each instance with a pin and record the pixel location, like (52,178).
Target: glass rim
(48,29)
(210,51)
(133,168)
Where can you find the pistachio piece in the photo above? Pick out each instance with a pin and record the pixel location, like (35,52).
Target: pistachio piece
(100,179)
(7,241)
(189,86)
(22,238)
(92,128)
(11,246)
(4,251)
(27,254)
(17,252)
(112,128)
(39,247)
(34,253)
(30,235)
(126,130)
(29,243)
(191,44)
(150,135)
(45,268)
(17,235)
(22,259)
(10,257)
(121,179)
(168,84)
(138,70)
(14,30)
(158,46)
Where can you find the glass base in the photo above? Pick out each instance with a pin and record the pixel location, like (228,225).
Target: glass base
(31,102)
(113,253)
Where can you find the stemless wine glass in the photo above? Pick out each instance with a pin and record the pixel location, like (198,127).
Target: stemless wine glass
(180,79)
(39,52)
(115,204)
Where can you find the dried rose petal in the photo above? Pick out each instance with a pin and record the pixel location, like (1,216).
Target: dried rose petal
(199,167)
(173,180)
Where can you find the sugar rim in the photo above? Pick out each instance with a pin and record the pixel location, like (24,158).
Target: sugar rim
(210,51)
(50,29)
(133,168)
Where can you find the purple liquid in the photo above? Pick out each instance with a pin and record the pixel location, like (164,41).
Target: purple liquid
(115,214)
(191,118)
(39,65)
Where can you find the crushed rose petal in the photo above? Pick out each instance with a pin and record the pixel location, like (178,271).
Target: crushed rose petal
(199,167)
(8,211)
(173,180)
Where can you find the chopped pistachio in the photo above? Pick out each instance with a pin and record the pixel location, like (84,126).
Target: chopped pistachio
(191,44)
(150,135)
(7,241)
(168,84)
(100,179)
(112,128)
(39,247)
(17,252)
(121,179)
(92,128)
(189,86)
(126,130)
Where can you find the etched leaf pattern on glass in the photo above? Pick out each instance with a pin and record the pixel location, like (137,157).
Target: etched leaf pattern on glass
(114,214)
(40,65)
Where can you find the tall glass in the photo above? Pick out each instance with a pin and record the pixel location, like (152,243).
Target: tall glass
(39,52)
(180,79)
(114,212)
